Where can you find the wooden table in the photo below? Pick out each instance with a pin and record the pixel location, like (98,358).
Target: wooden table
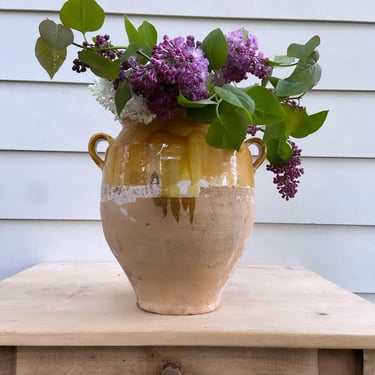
(82,319)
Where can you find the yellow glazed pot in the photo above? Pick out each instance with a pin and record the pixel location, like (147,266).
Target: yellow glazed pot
(176,212)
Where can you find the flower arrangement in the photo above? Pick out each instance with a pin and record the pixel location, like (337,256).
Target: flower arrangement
(146,80)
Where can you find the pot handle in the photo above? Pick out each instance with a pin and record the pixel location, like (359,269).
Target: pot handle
(93,143)
(262,151)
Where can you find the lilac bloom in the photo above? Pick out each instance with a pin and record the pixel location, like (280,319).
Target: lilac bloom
(175,64)
(288,173)
(242,58)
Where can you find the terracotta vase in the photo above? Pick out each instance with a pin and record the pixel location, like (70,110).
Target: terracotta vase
(176,212)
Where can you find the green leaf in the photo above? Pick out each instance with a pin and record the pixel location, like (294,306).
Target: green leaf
(308,71)
(204,114)
(297,124)
(49,58)
(182,100)
(130,51)
(82,15)
(285,88)
(214,46)
(293,120)
(308,124)
(315,122)
(132,32)
(122,95)
(148,34)
(273,81)
(238,98)
(228,131)
(304,77)
(282,61)
(303,51)
(278,151)
(100,65)
(133,50)
(274,131)
(142,59)
(268,110)
(142,39)
(56,35)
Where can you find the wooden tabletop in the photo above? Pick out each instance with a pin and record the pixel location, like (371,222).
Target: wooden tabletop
(92,304)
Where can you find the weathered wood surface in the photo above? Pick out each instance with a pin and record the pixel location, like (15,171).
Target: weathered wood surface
(340,362)
(7,360)
(93,304)
(369,362)
(150,361)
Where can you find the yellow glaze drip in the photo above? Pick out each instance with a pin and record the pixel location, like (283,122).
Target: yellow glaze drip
(174,155)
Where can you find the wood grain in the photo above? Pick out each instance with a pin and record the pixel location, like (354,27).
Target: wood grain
(369,362)
(93,304)
(340,362)
(7,360)
(150,361)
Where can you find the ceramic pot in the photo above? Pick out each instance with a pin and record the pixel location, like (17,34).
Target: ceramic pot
(176,212)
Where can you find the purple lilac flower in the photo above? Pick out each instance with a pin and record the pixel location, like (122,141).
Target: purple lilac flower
(288,173)
(162,101)
(159,97)
(79,66)
(258,66)
(125,68)
(242,58)
(103,41)
(181,62)
(143,79)
(175,64)
(293,103)
(252,130)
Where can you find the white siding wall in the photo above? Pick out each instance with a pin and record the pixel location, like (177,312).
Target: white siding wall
(49,188)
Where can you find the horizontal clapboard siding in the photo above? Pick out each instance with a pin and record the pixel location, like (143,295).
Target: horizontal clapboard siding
(343,68)
(334,10)
(368,296)
(27,242)
(42,185)
(70,130)
(49,187)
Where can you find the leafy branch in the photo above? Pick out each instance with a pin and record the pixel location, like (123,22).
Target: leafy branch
(273,105)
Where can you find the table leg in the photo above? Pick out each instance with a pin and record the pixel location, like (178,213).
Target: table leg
(369,362)
(7,360)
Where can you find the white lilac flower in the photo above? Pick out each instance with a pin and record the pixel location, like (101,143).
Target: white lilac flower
(136,110)
(104,92)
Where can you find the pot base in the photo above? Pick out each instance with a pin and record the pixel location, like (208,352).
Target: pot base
(167,309)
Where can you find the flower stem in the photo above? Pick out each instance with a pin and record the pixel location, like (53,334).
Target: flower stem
(98,48)
(78,45)
(141,53)
(109,48)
